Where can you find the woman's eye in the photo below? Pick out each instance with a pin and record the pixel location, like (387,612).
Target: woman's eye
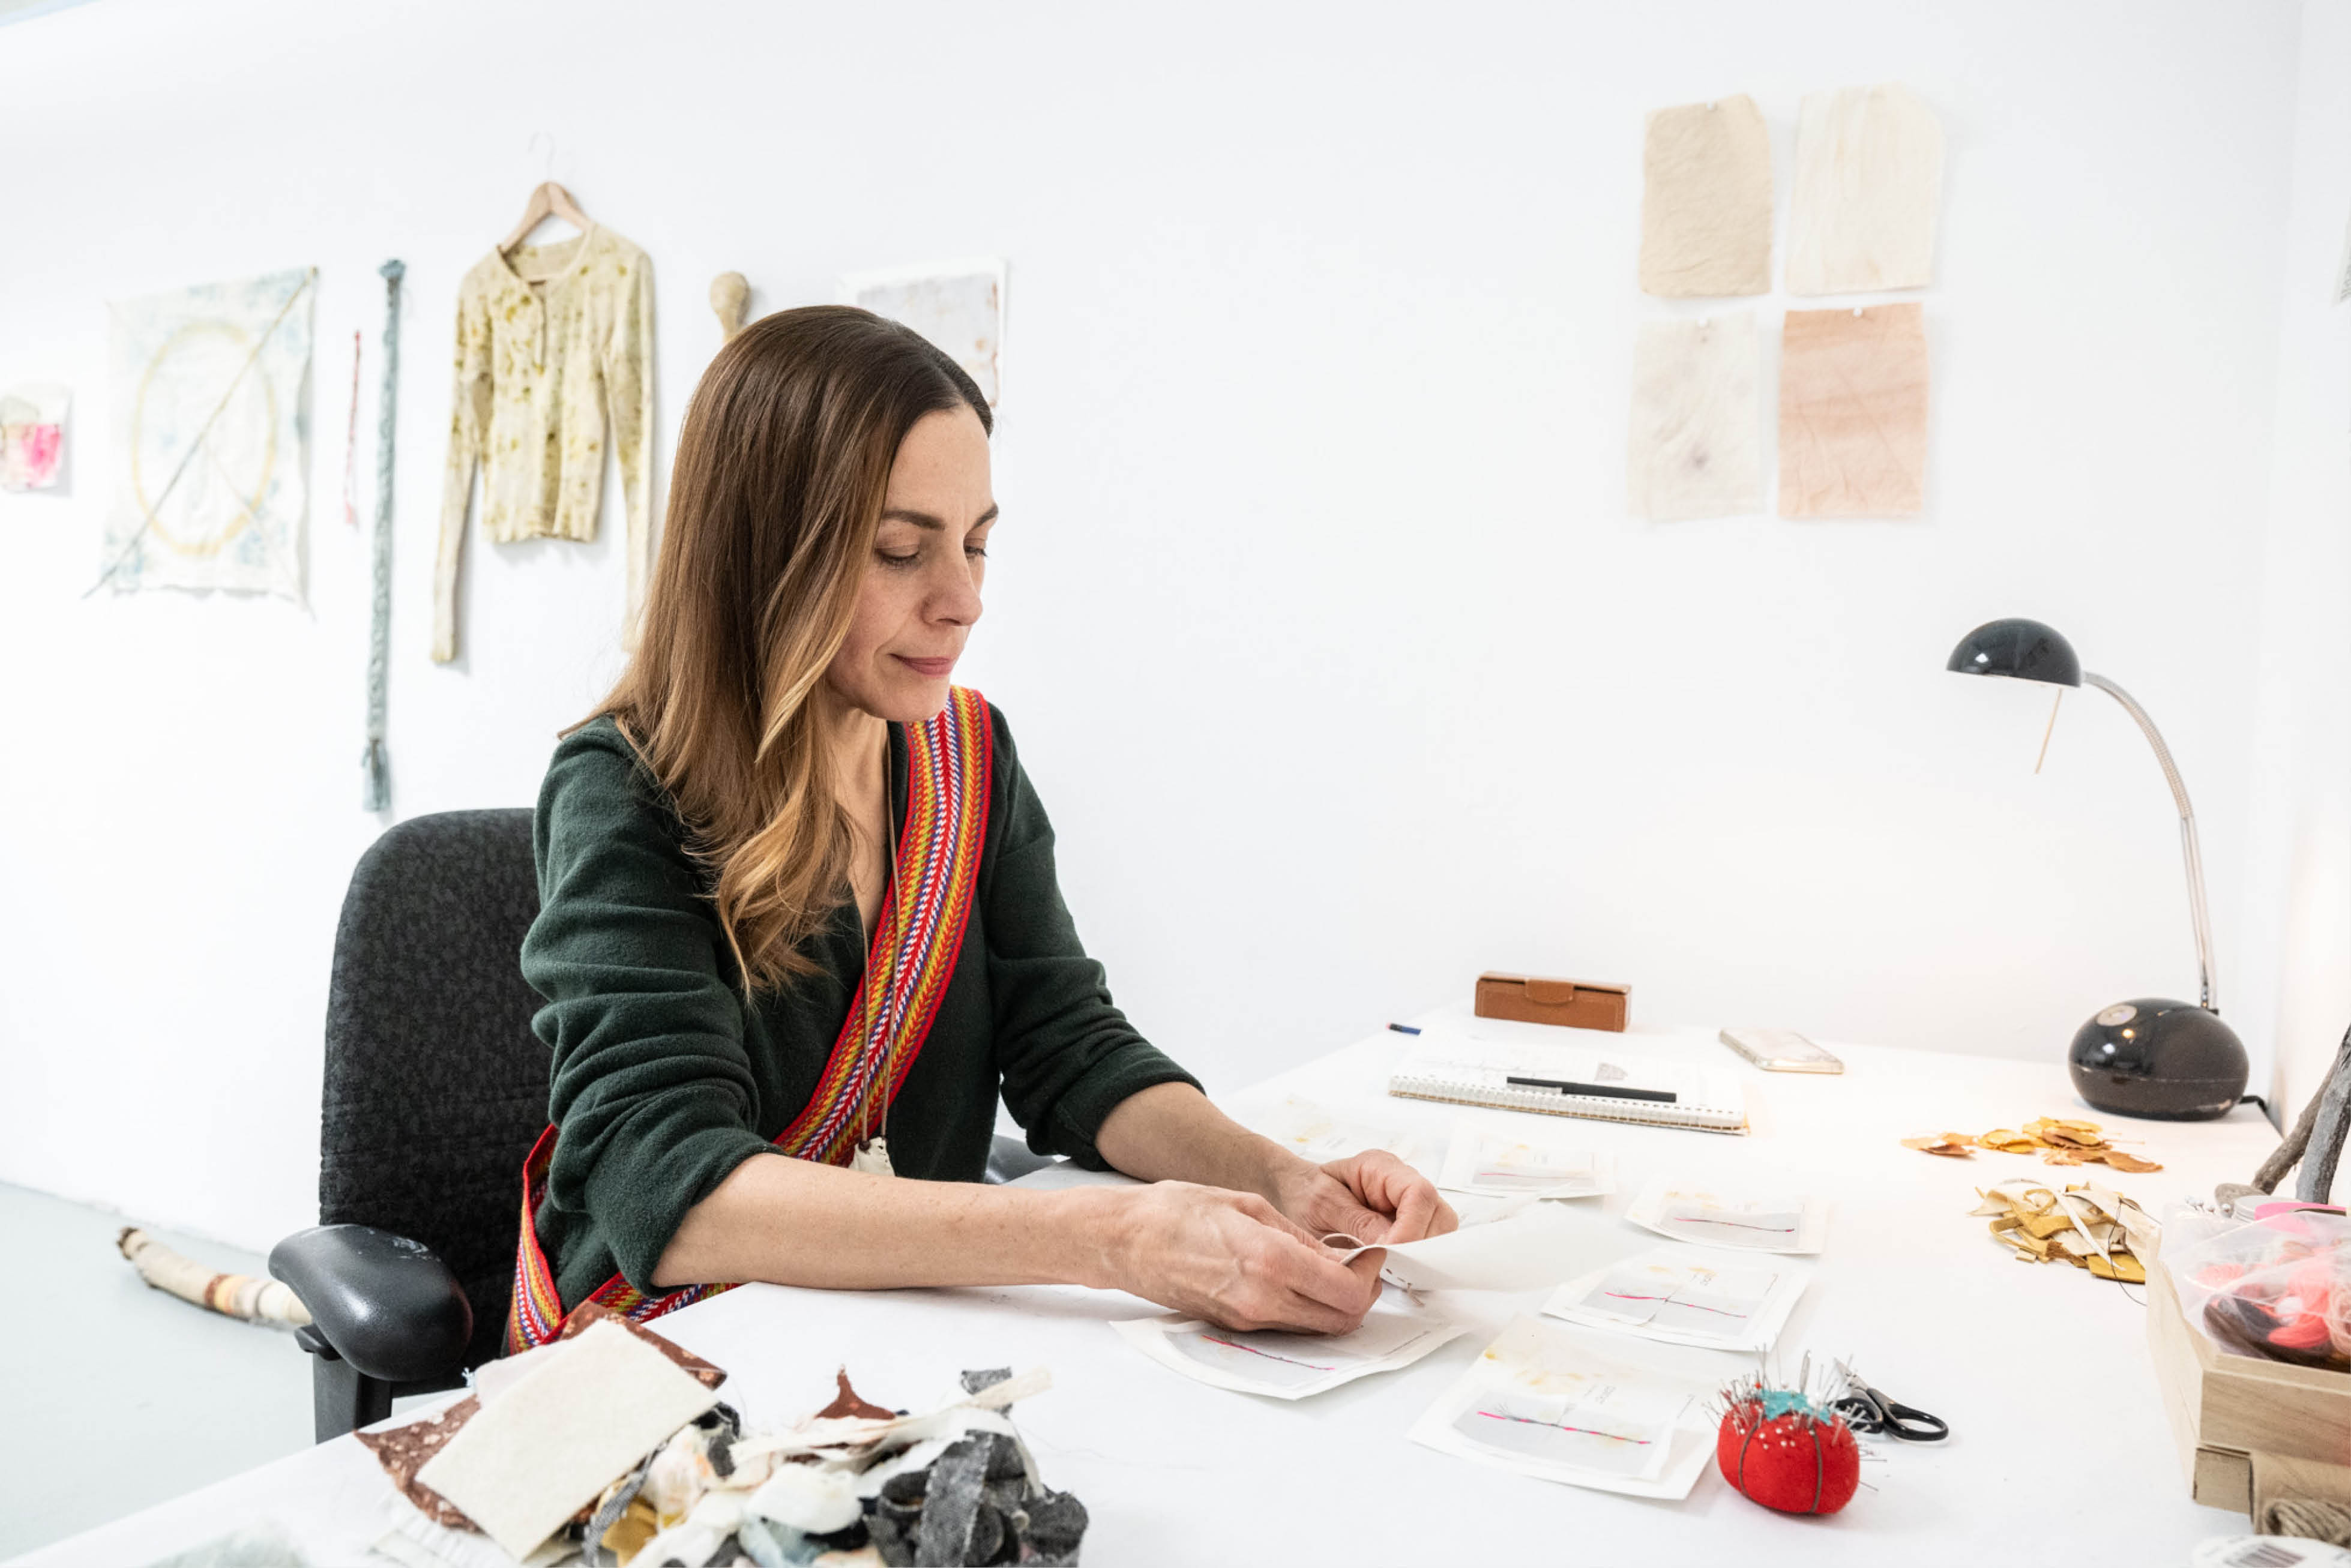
(907,560)
(977,552)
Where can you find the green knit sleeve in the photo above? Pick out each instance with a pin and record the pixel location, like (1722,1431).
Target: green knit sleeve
(1067,1054)
(652,1092)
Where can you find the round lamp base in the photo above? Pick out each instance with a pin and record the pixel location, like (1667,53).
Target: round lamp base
(2166,1060)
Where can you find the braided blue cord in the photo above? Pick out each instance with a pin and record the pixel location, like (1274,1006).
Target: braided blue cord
(377,795)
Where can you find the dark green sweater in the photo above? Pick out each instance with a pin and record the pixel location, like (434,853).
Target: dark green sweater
(666,1078)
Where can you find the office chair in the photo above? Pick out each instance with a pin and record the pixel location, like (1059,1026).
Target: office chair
(436,1088)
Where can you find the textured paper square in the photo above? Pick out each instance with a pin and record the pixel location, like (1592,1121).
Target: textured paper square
(562,1434)
(1869,178)
(1696,448)
(1706,201)
(1852,412)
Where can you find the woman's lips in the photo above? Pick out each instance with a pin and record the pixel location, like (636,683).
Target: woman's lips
(933,669)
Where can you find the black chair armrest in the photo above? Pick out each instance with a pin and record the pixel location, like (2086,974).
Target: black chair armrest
(1010,1159)
(386,1304)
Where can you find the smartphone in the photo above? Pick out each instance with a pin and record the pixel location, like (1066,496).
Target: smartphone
(1781,1050)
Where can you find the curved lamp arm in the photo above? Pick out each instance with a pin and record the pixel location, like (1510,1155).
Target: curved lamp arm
(2187,830)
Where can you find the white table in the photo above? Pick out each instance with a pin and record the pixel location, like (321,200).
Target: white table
(2059,1443)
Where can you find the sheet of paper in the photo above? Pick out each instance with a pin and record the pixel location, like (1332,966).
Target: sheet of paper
(1869,181)
(1852,412)
(1557,1403)
(1316,1133)
(1706,201)
(1531,1246)
(1398,1331)
(1497,1163)
(1747,1221)
(1686,1295)
(1696,432)
(563,1433)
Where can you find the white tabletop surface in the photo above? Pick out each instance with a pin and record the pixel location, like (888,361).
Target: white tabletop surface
(2059,1447)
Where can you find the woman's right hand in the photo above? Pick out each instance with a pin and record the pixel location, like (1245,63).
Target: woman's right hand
(1231,1258)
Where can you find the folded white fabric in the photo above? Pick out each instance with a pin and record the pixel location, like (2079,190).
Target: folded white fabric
(562,1434)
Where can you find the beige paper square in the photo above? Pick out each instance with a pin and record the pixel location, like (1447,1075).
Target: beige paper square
(1852,412)
(1696,448)
(1706,201)
(1870,180)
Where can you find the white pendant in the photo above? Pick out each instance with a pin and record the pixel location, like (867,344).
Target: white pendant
(873,1154)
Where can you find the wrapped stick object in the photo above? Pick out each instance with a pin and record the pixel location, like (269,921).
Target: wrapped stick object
(268,1301)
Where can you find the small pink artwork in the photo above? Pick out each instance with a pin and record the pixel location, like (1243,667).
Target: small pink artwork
(32,437)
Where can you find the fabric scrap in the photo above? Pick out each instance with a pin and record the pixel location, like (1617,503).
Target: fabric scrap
(1696,448)
(1870,180)
(1706,201)
(403,1450)
(554,1441)
(1852,412)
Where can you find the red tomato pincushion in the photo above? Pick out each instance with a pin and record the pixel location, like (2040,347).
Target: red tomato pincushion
(1779,1449)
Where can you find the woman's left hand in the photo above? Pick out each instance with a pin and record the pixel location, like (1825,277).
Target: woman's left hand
(1373,1196)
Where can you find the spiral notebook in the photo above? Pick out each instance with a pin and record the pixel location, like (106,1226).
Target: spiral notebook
(1565,1080)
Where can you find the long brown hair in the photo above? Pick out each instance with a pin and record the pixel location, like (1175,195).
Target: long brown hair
(774,498)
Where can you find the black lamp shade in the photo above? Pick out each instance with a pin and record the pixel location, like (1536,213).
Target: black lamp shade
(2023,649)
(2153,1057)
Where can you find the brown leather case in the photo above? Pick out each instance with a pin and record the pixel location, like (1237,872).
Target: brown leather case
(1578,1004)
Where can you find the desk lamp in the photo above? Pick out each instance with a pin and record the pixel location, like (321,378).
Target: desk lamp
(2149,1055)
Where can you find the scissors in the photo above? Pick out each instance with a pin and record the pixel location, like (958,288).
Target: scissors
(1865,1410)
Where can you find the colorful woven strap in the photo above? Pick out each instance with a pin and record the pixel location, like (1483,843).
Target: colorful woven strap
(950,767)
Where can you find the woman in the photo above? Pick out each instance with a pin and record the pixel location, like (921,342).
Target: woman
(799,898)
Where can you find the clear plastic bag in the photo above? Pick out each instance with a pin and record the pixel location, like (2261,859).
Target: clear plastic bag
(2279,1288)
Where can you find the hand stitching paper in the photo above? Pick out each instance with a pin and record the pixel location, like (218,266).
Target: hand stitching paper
(1706,201)
(1852,412)
(1696,443)
(1869,178)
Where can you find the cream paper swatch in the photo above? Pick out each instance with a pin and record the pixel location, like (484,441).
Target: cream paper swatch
(1706,201)
(1696,448)
(563,1433)
(1852,412)
(1869,178)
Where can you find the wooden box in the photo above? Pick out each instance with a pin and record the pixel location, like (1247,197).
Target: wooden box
(2249,1430)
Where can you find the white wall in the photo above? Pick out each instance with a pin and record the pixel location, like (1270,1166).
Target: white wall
(1315,608)
(2297,984)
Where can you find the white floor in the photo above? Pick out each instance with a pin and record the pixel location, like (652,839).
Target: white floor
(116,1396)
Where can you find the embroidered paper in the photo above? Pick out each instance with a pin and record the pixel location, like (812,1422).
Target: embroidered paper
(1706,201)
(1749,1221)
(1686,1295)
(1697,445)
(1852,412)
(958,305)
(1526,1246)
(33,436)
(1495,1163)
(1398,1330)
(211,444)
(1869,178)
(1558,1403)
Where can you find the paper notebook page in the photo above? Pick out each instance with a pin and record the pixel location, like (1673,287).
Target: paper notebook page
(1491,1065)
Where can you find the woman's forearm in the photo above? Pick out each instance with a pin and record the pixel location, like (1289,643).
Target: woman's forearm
(1170,1132)
(793,1222)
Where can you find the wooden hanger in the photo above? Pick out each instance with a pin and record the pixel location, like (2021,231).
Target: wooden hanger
(549,201)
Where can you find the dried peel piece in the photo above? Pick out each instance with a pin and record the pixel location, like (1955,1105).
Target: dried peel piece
(1952,1145)
(2129,1163)
(2124,1267)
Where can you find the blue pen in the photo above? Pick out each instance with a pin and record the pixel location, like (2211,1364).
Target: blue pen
(1404,1029)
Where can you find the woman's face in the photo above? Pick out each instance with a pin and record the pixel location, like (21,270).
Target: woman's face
(921,591)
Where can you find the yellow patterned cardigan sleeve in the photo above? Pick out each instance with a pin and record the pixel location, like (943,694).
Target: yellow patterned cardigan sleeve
(629,398)
(468,425)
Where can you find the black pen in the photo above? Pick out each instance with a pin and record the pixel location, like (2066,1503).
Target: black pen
(1605,1091)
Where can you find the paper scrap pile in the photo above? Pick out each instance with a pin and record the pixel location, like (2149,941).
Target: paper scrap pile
(2060,1142)
(2088,1227)
(611,1443)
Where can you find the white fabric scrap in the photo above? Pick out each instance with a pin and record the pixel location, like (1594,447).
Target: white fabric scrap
(1870,180)
(1696,448)
(555,1438)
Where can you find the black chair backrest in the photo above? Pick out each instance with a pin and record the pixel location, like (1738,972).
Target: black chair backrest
(436,1086)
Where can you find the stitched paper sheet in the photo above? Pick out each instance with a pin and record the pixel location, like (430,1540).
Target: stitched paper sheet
(1492,1161)
(1746,1221)
(1852,412)
(1706,201)
(1869,178)
(1399,1331)
(1687,1295)
(1696,448)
